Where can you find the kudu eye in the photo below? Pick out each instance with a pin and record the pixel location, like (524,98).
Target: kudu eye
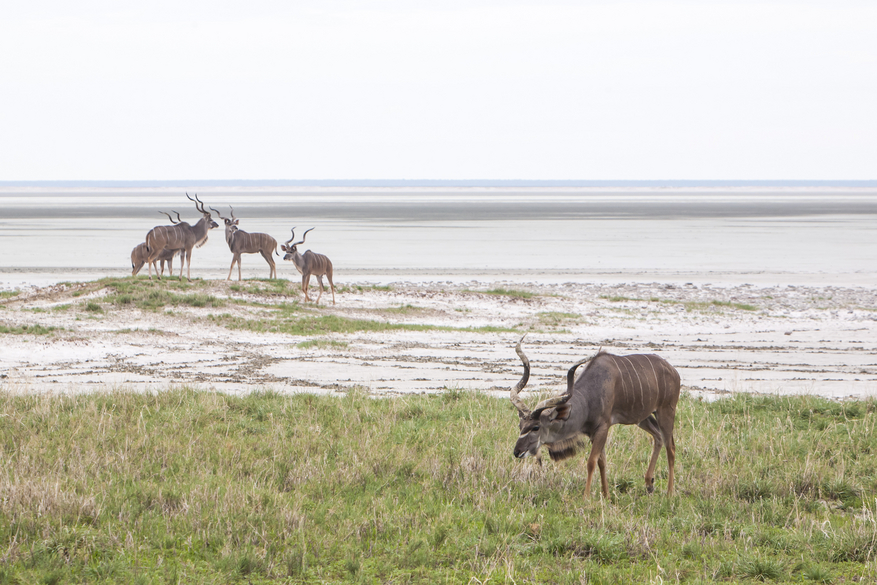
(534,429)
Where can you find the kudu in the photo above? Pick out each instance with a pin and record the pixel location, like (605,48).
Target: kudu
(309,264)
(180,236)
(639,389)
(139,254)
(138,259)
(241,242)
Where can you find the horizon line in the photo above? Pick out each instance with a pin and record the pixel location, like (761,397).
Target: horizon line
(441,183)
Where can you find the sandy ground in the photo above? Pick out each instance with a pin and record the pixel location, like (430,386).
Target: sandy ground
(802,339)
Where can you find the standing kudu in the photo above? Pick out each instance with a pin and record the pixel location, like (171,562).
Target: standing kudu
(309,264)
(139,254)
(639,389)
(241,242)
(180,236)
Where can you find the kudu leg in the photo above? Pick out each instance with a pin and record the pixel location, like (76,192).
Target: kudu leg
(272,268)
(331,286)
(598,442)
(650,425)
(604,480)
(320,280)
(305,283)
(666,421)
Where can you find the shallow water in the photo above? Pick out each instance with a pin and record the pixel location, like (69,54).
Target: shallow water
(640,233)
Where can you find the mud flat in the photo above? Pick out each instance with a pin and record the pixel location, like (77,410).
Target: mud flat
(413,336)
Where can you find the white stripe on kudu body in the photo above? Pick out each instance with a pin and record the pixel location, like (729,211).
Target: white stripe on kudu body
(180,236)
(604,394)
(654,372)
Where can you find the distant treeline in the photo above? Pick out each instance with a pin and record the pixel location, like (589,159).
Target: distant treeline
(436,183)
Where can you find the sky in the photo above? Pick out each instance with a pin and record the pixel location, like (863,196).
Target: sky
(439,90)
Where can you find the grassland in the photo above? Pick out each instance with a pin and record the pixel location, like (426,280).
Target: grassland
(197,487)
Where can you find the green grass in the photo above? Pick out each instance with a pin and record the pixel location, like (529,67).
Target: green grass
(266,286)
(152,295)
(505,292)
(157,299)
(322,344)
(404,310)
(557,319)
(705,306)
(7,294)
(358,288)
(198,487)
(618,298)
(289,322)
(26,329)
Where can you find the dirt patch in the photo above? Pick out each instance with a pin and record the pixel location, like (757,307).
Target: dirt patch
(413,337)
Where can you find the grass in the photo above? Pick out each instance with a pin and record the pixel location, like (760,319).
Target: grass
(198,487)
(358,288)
(322,344)
(407,309)
(148,294)
(266,286)
(689,306)
(26,329)
(557,319)
(6,294)
(505,292)
(618,298)
(284,321)
(704,306)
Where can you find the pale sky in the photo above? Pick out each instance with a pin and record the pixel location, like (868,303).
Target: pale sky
(323,89)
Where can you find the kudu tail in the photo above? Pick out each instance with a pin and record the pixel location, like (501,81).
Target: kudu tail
(149,237)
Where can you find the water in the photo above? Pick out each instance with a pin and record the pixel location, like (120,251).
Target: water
(51,234)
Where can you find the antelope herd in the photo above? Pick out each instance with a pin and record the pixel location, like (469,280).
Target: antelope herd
(164,242)
(638,389)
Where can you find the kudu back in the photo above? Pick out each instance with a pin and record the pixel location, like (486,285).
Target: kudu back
(638,389)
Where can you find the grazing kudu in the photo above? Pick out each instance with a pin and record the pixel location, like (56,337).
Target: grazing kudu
(639,389)
(241,242)
(309,264)
(138,259)
(180,236)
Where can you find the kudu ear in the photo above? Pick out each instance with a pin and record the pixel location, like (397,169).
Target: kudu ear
(560,413)
(553,409)
(552,414)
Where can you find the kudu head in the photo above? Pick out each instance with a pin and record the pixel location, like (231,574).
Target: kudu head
(545,423)
(231,224)
(292,250)
(229,221)
(199,205)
